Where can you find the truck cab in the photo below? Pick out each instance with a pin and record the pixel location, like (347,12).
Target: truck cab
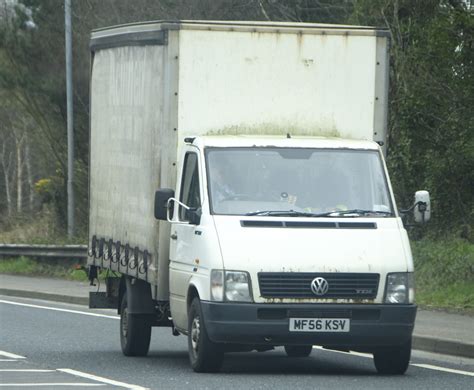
(290,241)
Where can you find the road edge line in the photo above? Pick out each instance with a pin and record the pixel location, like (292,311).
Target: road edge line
(85,313)
(443,369)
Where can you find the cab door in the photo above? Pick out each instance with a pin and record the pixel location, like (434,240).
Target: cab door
(183,237)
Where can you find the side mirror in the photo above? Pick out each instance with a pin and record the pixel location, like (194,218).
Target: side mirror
(161,203)
(422,207)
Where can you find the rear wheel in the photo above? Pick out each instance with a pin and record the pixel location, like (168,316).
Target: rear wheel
(135,332)
(204,355)
(298,350)
(393,360)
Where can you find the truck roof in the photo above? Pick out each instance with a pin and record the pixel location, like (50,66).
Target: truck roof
(252,26)
(281,142)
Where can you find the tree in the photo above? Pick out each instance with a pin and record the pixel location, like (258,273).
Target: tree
(431,141)
(431,88)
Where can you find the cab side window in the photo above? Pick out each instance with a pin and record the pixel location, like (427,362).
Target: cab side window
(189,193)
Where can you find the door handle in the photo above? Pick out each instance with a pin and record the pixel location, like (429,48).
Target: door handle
(174,236)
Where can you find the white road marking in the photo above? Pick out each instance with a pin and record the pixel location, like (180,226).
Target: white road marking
(58,309)
(50,384)
(444,369)
(8,360)
(11,355)
(365,355)
(428,366)
(101,379)
(25,370)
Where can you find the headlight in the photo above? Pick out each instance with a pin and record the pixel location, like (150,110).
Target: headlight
(237,286)
(400,288)
(230,286)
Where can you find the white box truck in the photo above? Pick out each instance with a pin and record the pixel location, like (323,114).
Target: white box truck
(239,193)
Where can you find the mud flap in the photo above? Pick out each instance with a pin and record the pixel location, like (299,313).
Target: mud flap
(139,297)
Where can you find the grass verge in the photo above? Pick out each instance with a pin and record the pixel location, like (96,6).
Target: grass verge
(444,272)
(47,268)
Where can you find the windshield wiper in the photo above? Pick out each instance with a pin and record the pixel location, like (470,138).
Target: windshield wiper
(359,212)
(335,213)
(286,213)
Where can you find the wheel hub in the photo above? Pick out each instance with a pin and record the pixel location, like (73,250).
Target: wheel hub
(124,323)
(195,334)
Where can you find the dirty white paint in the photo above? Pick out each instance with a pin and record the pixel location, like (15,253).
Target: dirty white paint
(318,84)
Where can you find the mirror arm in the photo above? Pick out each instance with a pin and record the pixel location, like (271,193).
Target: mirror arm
(169,206)
(177,201)
(406,211)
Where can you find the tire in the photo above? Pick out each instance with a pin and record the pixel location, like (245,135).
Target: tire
(298,350)
(135,332)
(393,360)
(204,355)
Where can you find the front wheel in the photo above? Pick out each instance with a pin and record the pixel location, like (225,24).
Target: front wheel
(204,355)
(135,332)
(298,350)
(393,360)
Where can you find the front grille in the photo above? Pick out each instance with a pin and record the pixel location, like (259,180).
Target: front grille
(320,313)
(298,285)
(371,314)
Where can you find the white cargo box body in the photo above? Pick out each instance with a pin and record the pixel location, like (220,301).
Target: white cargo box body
(154,83)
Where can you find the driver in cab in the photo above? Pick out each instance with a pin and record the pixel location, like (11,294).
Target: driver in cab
(221,185)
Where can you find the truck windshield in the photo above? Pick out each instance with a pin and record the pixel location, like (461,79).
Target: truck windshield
(297,182)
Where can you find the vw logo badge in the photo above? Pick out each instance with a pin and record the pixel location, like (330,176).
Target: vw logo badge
(319,286)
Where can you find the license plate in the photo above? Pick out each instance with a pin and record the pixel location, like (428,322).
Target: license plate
(320,324)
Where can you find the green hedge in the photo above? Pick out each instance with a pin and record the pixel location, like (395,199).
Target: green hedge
(444,271)
(46,268)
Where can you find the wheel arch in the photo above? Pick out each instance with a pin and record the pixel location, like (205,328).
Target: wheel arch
(198,286)
(192,293)
(139,296)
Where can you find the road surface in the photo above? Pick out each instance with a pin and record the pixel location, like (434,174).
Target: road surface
(64,346)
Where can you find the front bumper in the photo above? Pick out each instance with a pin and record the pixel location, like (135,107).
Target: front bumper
(268,324)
